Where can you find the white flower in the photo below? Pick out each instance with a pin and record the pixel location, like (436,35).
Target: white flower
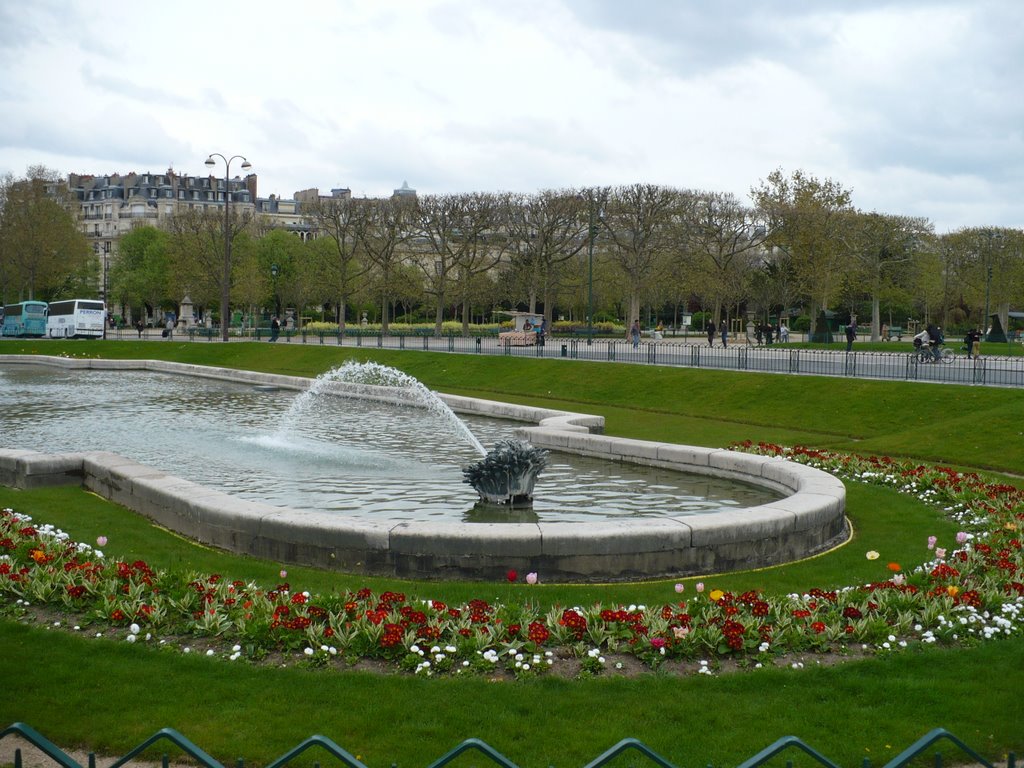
(308,651)
(130,638)
(210,652)
(134,629)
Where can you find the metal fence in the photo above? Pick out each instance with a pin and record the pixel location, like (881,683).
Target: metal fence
(989,370)
(921,747)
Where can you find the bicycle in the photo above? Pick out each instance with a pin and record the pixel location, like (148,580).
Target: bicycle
(925,354)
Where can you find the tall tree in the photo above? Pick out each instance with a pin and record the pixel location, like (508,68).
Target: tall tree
(338,219)
(546,230)
(637,232)
(457,237)
(43,254)
(383,230)
(806,217)
(728,239)
(880,245)
(139,275)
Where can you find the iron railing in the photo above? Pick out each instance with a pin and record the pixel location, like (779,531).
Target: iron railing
(919,748)
(989,370)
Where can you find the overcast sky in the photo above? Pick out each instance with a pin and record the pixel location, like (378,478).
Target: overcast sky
(915,106)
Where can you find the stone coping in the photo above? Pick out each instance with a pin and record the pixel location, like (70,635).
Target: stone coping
(808,519)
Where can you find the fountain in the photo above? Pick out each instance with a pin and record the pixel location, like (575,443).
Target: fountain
(507,474)
(373,381)
(673,542)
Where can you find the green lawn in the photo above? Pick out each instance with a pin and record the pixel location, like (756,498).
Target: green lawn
(109,696)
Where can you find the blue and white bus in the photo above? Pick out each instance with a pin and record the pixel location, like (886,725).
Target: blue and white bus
(76,319)
(27,318)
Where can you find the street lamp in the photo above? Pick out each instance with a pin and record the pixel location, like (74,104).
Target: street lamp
(225,288)
(277,302)
(997,236)
(592,206)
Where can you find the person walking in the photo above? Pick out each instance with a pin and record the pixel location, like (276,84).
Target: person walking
(973,342)
(634,333)
(935,341)
(851,334)
(724,331)
(711,334)
(275,328)
(169,329)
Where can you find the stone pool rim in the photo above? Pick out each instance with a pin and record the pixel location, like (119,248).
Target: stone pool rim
(808,519)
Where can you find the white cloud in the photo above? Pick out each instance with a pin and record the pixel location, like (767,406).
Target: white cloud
(911,104)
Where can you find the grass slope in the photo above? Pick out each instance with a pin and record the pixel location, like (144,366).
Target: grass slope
(109,696)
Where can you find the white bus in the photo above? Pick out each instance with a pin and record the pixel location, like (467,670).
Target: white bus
(76,319)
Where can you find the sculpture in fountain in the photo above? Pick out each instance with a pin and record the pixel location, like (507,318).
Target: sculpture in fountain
(507,474)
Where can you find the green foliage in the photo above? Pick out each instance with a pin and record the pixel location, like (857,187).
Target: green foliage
(882,704)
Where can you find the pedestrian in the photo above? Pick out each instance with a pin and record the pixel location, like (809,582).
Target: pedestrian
(935,340)
(973,343)
(783,333)
(275,328)
(634,333)
(139,327)
(768,334)
(711,334)
(851,334)
(724,332)
(542,330)
(169,329)
(759,334)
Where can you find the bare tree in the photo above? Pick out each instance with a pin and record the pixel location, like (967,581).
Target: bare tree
(546,230)
(339,220)
(637,231)
(727,239)
(384,228)
(459,236)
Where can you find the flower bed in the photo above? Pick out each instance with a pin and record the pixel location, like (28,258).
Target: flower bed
(965,591)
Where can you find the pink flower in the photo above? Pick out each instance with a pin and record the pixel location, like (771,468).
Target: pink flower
(531,578)
(658,642)
(680,588)
(940,553)
(101,541)
(961,537)
(898,579)
(680,632)
(699,586)
(931,542)
(283,574)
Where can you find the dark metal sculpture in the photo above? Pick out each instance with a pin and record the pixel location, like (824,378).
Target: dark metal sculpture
(506,475)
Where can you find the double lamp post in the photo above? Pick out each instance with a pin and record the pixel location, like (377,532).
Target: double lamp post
(225,286)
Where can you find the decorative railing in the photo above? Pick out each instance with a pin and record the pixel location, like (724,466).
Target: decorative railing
(996,370)
(923,746)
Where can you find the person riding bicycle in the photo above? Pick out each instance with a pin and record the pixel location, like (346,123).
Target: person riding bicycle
(922,340)
(935,340)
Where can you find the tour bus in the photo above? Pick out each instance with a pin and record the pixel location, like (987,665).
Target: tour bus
(76,319)
(27,318)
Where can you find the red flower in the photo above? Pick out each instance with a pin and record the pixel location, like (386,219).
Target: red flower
(818,626)
(511,575)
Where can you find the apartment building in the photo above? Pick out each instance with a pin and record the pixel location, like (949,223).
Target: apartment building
(113,205)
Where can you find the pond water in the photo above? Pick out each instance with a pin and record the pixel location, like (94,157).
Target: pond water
(358,458)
